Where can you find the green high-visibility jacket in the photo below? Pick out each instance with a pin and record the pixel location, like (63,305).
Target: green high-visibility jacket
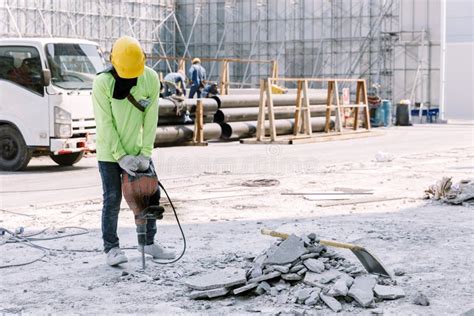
(121,128)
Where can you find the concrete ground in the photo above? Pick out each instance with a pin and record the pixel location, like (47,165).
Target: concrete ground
(431,242)
(45,183)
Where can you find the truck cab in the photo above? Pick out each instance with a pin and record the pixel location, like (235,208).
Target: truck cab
(45,99)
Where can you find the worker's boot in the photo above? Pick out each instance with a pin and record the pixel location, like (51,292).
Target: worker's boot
(158,252)
(116,256)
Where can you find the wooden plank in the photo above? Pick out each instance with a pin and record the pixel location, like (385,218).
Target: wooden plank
(265,141)
(227,78)
(271,114)
(296,126)
(366,110)
(306,111)
(261,111)
(199,123)
(316,138)
(329,106)
(356,110)
(223,77)
(363,201)
(338,108)
(313,79)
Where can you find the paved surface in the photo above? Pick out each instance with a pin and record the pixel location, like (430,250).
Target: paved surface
(45,183)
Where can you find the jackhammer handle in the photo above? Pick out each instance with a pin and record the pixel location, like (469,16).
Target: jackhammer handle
(332,243)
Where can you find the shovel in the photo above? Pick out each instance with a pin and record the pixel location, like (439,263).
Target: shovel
(370,262)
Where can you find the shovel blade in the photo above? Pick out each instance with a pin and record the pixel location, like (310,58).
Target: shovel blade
(370,262)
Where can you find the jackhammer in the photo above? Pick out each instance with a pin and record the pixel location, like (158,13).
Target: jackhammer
(142,195)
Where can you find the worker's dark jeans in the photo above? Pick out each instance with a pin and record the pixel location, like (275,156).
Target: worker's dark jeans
(111,175)
(195,89)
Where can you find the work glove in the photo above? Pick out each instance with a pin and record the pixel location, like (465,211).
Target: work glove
(143,163)
(129,164)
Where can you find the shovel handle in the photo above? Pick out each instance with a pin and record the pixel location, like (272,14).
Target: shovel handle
(269,232)
(331,243)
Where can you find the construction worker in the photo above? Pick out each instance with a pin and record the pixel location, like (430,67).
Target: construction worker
(174,83)
(210,90)
(125,99)
(197,75)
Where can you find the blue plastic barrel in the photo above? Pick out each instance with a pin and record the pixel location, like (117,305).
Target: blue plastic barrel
(387,112)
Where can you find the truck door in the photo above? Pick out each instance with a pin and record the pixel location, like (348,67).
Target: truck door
(23,101)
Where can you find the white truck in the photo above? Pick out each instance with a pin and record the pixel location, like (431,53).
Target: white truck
(45,99)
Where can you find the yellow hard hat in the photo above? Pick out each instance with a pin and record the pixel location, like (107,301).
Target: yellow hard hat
(128,58)
(196,61)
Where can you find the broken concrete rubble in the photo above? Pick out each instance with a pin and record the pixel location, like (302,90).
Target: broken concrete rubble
(263,288)
(303,294)
(245,288)
(315,276)
(287,252)
(217,279)
(265,277)
(339,288)
(388,292)
(314,265)
(421,299)
(291,277)
(313,297)
(209,293)
(362,290)
(331,302)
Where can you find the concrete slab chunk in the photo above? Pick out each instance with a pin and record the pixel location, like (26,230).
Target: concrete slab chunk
(209,293)
(421,299)
(282,269)
(331,302)
(319,279)
(312,279)
(349,280)
(303,294)
(329,275)
(217,279)
(309,255)
(287,252)
(296,268)
(291,277)
(388,292)
(302,271)
(363,290)
(245,288)
(263,288)
(269,276)
(314,265)
(313,297)
(339,288)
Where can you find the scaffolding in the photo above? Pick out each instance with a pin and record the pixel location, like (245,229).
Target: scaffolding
(102,21)
(393,43)
(318,38)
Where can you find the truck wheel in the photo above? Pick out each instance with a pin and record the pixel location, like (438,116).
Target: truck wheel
(14,154)
(67,159)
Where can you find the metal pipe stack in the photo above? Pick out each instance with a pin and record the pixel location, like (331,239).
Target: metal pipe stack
(171,128)
(234,117)
(238,114)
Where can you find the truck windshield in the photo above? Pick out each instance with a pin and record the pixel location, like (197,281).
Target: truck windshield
(74,66)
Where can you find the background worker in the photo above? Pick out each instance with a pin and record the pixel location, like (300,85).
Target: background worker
(197,75)
(126,133)
(210,90)
(179,81)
